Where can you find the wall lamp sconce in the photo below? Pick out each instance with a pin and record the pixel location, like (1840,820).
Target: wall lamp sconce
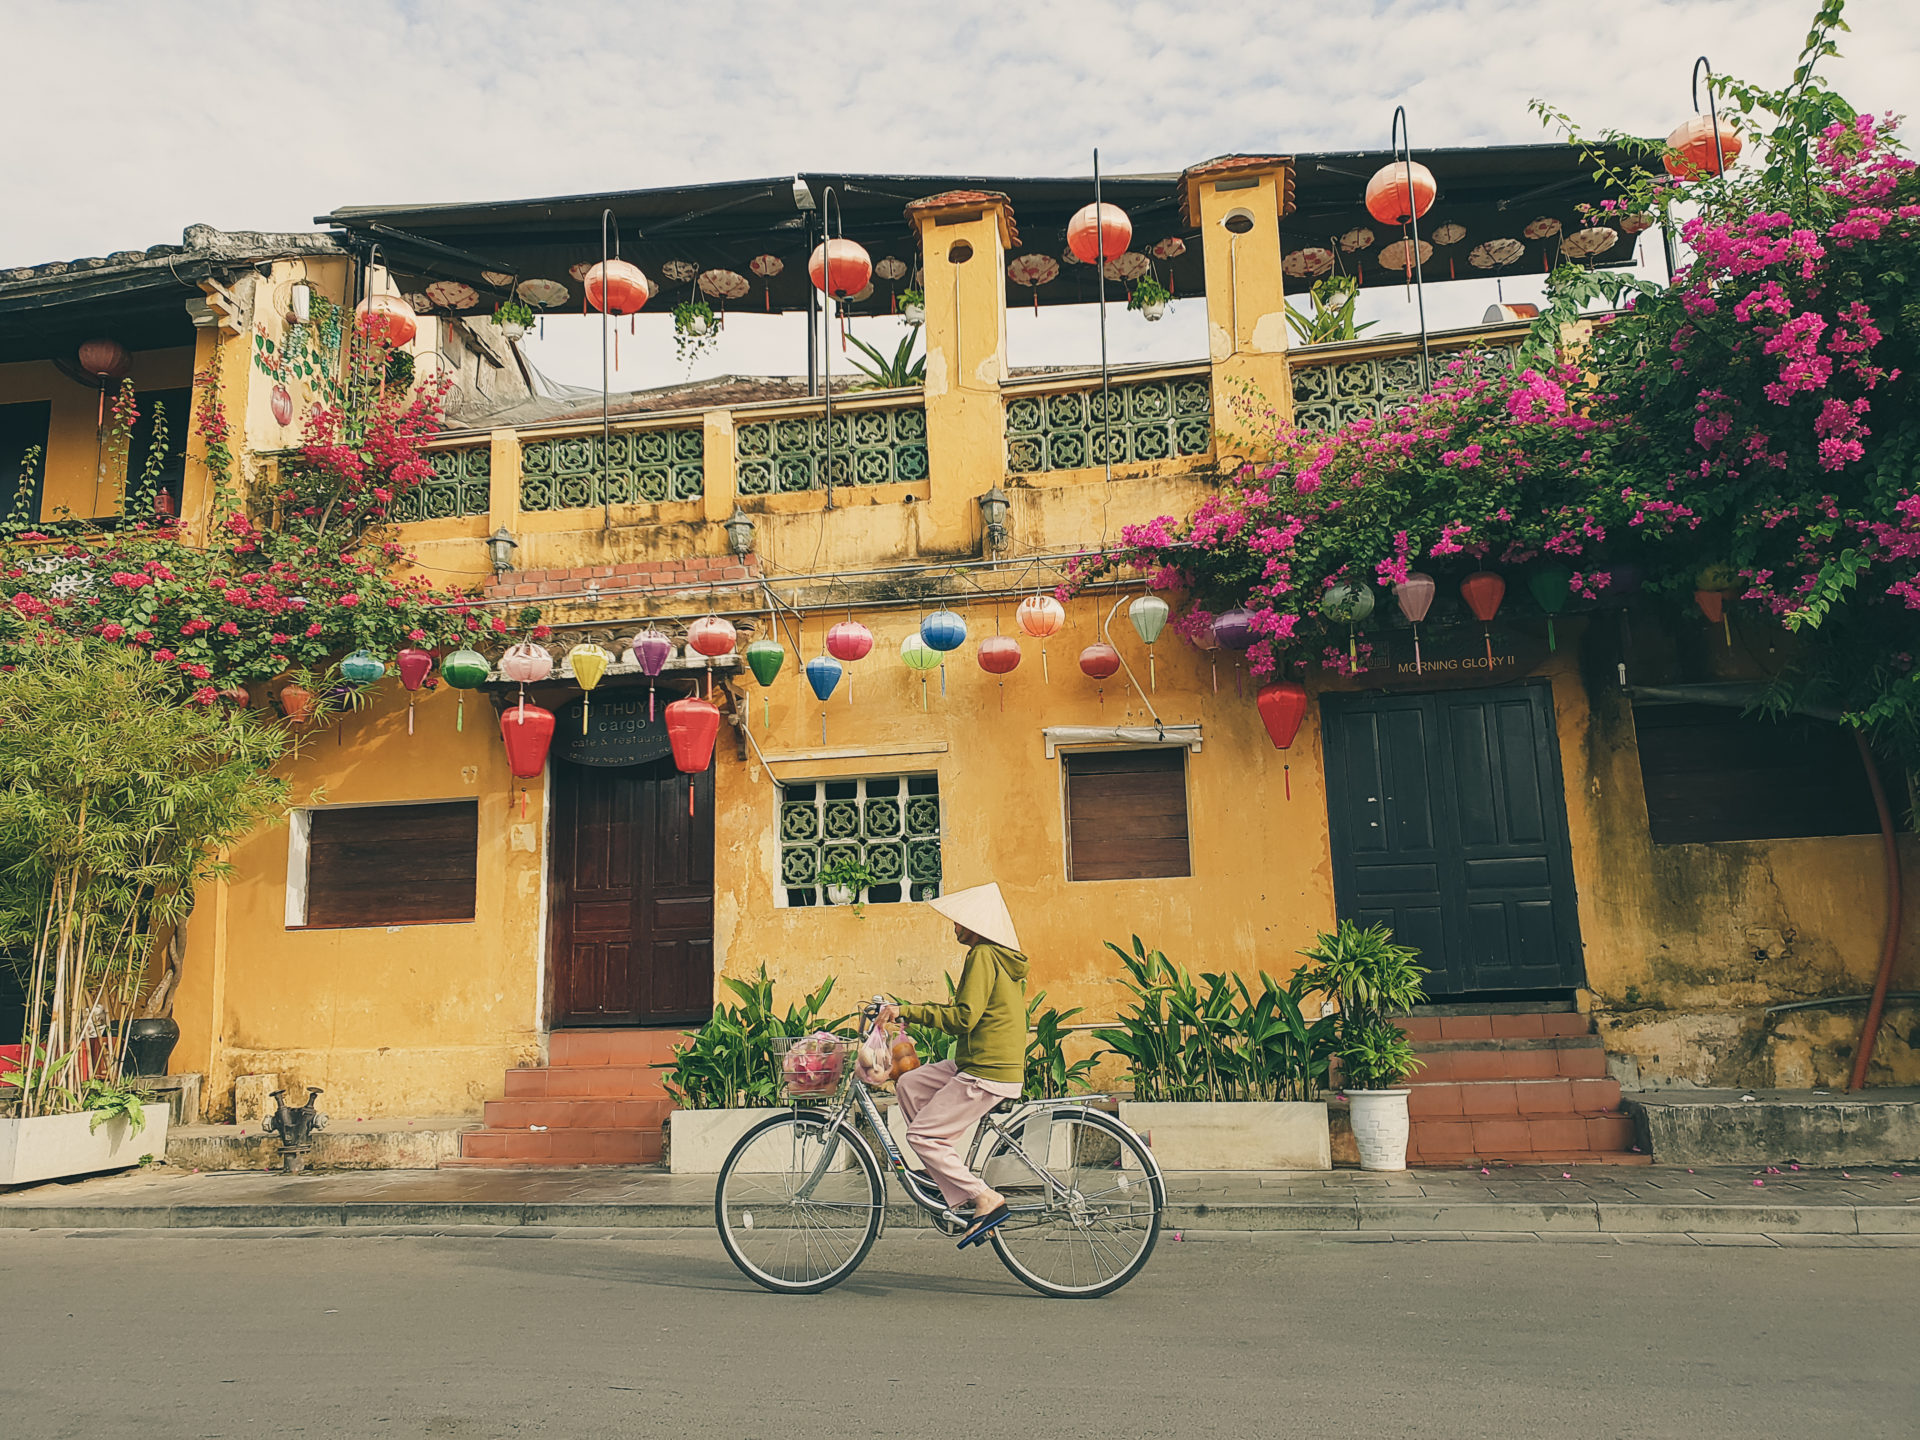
(994,506)
(739,527)
(500,548)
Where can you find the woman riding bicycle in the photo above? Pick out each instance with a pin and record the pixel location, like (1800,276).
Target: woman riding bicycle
(989,1015)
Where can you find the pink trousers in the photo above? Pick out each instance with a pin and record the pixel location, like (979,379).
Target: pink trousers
(940,1103)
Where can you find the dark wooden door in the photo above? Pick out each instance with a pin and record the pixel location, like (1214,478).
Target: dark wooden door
(632,896)
(1449,824)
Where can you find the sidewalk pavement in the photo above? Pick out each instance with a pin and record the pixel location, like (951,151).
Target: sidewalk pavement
(1874,1205)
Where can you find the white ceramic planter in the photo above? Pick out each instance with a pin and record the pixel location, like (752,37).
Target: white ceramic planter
(699,1141)
(1154,309)
(52,1147)
(1380,1128)
(841,894)
(512,329)
(913,314)
(1233,1134)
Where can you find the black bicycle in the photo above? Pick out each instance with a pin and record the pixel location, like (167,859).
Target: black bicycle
(802,1197)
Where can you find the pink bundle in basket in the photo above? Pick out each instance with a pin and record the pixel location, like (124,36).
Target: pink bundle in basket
(813,1066)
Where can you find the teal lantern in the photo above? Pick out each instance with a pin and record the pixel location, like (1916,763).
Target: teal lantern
(1552,588)
(362,667)
(464,670)
(1348,602)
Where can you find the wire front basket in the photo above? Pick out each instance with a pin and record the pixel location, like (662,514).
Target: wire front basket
(814,1069)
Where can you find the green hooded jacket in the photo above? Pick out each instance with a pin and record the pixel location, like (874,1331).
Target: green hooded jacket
(988,1013)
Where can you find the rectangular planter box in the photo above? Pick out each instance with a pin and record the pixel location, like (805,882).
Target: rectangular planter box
(52,1147)
(699,1141)
(1234,1135)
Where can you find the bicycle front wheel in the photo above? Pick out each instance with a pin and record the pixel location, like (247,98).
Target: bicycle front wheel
(799,1203)
(1092,1229)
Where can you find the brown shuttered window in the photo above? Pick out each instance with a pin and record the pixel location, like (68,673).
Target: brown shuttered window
(392,864)
(1713,773)
(1127,815)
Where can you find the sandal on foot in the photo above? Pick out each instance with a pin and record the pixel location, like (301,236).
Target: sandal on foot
(983,1225)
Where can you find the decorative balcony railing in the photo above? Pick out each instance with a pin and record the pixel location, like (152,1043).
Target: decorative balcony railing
(1160,419)
(458,488)
(642,467)
(870,447)
(1330,393)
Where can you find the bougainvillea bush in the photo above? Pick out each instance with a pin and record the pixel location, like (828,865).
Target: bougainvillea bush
(1751,429)
(291,576)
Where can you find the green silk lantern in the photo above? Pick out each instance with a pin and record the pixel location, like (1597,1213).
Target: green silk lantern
(464,670)
(764,659)
(916,654)
(1552,587)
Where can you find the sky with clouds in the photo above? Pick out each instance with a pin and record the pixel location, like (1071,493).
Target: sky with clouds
(134,120)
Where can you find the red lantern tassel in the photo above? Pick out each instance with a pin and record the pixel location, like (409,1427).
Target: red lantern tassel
(689,795)
(1286,775)
(1489,635)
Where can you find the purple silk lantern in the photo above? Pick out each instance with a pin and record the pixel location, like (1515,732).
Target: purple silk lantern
(1233,629)
(652,649)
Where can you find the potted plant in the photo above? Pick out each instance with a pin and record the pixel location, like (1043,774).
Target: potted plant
(108,1127)
(1223,1078)
(845,879)
(725,1077)
(913,307)
(514,317)
(1372,980)
(1149,297)
(696,329)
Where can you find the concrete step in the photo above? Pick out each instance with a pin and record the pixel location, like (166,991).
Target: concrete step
(1512,1099)
(567,1048)
(1569,1158)
(608,1146)
(1875,1126)
(609,1113)
(636,1082)
(1576,1058)
(1519,1139)
(1498,1025)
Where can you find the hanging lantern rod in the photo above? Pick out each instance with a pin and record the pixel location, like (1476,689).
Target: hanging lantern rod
(1402,144)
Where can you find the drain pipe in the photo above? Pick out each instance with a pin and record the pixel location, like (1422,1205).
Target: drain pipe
(1876,1007)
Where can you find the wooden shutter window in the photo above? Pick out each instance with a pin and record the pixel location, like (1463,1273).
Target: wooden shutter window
(1712,773)
(1127,815)
(373,865)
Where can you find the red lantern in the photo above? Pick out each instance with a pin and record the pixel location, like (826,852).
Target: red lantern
(1099,232)
(1694,153)
(692,725)
(1393,199)
(847,260)
(387,319)
(620,284)
(415,666)
(1483,591)
(1000,654)
(281,402)
(849,641)
(1712,604)
(528,731)
(1283,705)
(105,359)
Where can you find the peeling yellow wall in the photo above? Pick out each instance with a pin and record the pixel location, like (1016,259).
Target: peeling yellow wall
(82,480)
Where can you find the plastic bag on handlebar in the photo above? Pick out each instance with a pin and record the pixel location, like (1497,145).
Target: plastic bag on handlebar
(874,1061)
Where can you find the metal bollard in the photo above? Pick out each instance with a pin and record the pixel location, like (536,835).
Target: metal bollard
(296,1126)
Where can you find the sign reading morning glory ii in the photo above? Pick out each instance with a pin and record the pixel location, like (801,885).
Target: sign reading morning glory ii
(618,732)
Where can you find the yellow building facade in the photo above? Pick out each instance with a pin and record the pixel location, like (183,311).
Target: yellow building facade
(951,776)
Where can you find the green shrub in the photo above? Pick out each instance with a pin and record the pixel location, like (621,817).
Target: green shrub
(729,1063)
(1372,979)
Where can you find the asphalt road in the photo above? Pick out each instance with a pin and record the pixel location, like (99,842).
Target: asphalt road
(166,1335)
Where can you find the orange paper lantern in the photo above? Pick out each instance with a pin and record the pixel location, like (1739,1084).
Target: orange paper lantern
(1394,199)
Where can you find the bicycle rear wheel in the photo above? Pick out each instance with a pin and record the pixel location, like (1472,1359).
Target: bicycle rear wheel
(1094,1233)
(784,1233)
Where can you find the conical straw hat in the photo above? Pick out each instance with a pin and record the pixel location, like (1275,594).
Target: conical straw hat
(981,910)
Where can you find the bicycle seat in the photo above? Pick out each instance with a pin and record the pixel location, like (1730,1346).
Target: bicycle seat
(1005,1107)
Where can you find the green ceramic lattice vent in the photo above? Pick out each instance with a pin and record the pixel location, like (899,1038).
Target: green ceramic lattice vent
(870,447)
(1151,420)
(889,823)
(648,466)
(459,487)
(1325,397)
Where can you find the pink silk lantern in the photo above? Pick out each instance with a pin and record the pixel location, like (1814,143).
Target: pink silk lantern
(1101,662)
(847,642)
(415,666)
(1040,616)
(526,663)
(712,637)
(1415,597)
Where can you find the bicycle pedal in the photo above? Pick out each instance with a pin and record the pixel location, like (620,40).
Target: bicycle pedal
(950,1224)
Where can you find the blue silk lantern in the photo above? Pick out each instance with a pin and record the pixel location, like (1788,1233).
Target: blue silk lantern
(823,674)
(944,630)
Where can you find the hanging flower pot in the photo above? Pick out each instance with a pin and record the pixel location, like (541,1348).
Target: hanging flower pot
(300,302)
(692,725)
(913,307)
